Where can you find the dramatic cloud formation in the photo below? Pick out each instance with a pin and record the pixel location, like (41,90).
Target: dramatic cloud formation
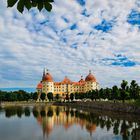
(78,35)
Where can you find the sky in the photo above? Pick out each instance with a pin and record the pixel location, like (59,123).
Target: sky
(76,36)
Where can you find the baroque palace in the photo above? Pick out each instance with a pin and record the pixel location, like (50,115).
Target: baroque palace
(66,86)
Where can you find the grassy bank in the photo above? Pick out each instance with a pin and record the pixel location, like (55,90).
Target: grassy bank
(23,103)
(98,105)
(106,106)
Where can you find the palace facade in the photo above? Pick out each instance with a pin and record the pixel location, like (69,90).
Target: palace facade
(66,86)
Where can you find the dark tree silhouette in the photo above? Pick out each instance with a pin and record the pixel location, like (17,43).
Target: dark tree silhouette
(115,93)
(28,4)
(67,96)
(57,96)
(71,96)
(134,90)
(35,96)
(123,90)
(43,96)
(50,96)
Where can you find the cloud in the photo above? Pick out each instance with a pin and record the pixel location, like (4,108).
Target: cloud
(101,35)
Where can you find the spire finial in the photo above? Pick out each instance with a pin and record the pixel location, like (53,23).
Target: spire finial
(47,70)
(43,76)
(89,71)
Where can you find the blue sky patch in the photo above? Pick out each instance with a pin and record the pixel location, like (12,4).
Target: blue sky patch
(80,33)
(85,13)
(73,27)
(74,46)
(124,64)
(134,18)
(44,22)
(105,26)
(119,60)
(82,2)
(64,40)
(65,19)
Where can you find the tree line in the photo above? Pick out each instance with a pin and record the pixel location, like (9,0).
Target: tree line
(124,92)
(19,95)
(22,95)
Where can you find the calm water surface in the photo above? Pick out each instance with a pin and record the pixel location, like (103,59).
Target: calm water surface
(62,123)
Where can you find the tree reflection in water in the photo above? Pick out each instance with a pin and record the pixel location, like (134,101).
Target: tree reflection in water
(49,117)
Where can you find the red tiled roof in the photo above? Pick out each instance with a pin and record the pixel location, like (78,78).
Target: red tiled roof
(66,81)
(48,77)
(57,83)
(39,86)
(90,77)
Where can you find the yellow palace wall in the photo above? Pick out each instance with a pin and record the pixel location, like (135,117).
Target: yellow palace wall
(63,89)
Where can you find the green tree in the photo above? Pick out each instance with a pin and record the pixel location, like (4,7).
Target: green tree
(123,90)
(28,4)
(57,96)
(71,96)
(35,96)
(50,96)
(115,93)
(91,94)
(43,96)
(14,96)
(134,90)
(102,93)
(95,94)
(1,96)
(7,96)
(77,96)
(107,93)
(67,96)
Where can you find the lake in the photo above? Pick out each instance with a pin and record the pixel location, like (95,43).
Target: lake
(63,123)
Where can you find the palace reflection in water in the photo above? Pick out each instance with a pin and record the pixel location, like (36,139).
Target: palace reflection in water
(72,120)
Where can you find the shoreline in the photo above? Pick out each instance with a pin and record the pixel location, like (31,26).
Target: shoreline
(23,103)
(104,106)
(130,115)
(98,108)
(97,105)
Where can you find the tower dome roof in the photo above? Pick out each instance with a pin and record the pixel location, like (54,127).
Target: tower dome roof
(48,77)
(39,86)
(90,77)
(82,81)
(66,80)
